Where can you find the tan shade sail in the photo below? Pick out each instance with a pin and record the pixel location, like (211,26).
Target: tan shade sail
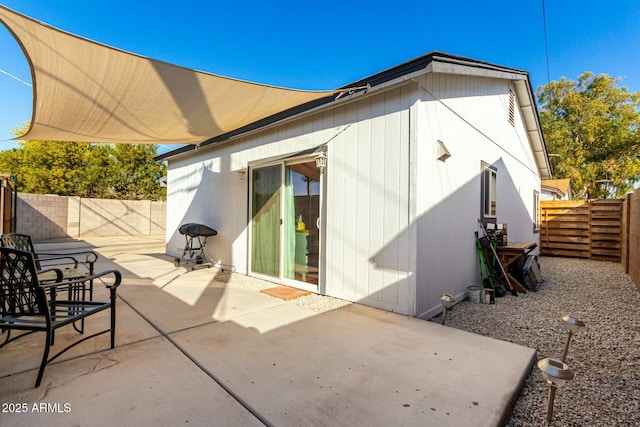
(86,91)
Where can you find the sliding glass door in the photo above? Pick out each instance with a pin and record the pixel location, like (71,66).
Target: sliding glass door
(265,220)
(285,241)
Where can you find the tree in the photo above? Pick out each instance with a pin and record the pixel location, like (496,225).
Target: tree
(592,131)
(137,174)
(46,167)
(122,171)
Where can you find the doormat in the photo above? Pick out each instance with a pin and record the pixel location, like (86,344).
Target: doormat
(285,292)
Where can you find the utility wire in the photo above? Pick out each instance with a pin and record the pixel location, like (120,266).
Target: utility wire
(14,77)
(546,46)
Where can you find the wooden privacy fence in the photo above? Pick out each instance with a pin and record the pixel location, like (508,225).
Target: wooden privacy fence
(631,236)
(585,229)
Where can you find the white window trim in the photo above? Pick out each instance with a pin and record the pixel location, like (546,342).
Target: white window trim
(490,196)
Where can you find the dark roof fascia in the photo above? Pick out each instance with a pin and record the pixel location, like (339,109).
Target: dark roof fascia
(422,62)
(250,127)
(377,79)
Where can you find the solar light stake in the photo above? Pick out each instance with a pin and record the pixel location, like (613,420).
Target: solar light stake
(572,326)
(557,373)
(552,397)
(447,300)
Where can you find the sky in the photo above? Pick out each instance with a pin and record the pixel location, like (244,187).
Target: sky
(329,44)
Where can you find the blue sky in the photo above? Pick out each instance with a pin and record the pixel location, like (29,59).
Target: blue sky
(324,45)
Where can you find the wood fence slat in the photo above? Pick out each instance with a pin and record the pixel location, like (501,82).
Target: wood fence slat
(624,250)
(571,218)
(632,237)
(567,225)
(566,232)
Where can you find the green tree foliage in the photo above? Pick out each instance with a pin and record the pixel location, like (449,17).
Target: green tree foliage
(138,175)
(108,171)
(592,131)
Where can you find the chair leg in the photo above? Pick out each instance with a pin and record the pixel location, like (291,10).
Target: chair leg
(113,318)
(8,331)
(78,294)
(45,356)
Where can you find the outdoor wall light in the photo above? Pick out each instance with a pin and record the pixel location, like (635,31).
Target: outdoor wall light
(443,153)
(556,373)
(242,173)
(447,300)
(572,326)
(321,161)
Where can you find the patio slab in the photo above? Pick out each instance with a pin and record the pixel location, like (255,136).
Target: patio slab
(147,383)
(182,334)
(25,353)
(359,366)
(194,302)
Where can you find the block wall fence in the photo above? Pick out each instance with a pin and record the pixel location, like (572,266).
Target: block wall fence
(47,217)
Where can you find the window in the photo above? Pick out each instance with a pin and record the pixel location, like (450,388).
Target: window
(489,192)
(512,108)
(536,211)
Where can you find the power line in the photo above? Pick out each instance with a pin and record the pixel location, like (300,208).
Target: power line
(546,46)
(14,77)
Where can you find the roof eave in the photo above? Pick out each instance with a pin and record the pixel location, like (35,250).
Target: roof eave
(433,62)
(531,120)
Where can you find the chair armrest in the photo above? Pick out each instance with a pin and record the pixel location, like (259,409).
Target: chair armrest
(46,258)
(66,283)
(58,277)
(90,257)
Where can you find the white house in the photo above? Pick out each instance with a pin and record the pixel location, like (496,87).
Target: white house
(415,155)
(556,189)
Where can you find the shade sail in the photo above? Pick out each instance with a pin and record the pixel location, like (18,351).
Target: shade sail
(86,91)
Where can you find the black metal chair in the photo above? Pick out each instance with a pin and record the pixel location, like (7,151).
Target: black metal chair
(68,262)
(29,305)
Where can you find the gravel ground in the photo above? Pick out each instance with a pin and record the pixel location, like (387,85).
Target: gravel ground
(604,355)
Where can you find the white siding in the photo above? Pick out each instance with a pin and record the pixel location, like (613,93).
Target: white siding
(399,224)
(367,181)
(367,206)
(470,115)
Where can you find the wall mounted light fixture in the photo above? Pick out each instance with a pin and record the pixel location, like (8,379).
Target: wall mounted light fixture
(242,173)
(443,153)
(321,161)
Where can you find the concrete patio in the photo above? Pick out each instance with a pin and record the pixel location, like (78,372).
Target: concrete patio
(205,347)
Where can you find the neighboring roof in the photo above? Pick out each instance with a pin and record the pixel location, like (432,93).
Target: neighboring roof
(434,62)
(86,91)
(562,185)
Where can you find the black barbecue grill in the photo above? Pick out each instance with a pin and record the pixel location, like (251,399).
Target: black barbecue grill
(196,240)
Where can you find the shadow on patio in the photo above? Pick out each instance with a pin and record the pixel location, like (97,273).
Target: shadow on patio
(207,348)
